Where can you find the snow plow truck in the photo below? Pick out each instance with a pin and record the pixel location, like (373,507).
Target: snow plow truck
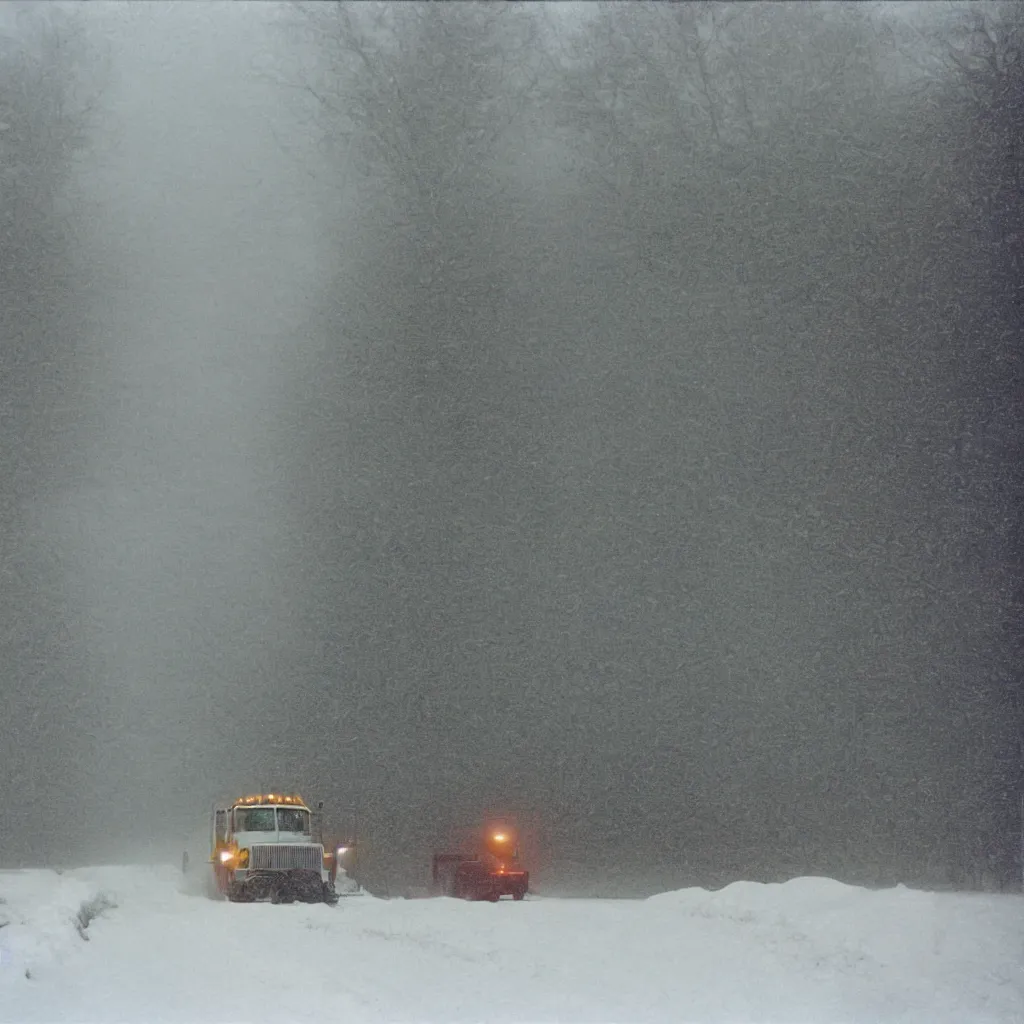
(491,871)
(263,850)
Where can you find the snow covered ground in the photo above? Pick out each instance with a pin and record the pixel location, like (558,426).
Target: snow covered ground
(810,950)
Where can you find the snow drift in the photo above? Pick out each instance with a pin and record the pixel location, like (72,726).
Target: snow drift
(809,950)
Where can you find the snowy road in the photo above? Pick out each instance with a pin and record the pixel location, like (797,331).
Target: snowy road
(809,950)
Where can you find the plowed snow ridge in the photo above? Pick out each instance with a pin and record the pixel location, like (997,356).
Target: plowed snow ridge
(810,950)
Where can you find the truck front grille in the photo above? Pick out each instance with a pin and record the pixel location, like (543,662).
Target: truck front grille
(272,857)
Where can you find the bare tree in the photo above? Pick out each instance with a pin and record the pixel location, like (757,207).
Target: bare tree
(420,396)
(796,260)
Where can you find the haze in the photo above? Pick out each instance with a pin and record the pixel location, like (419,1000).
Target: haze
(605,415)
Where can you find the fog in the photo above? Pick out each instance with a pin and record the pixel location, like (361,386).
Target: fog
(605,415)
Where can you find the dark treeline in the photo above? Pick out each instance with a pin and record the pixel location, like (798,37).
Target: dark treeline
(662,450)
(649,444)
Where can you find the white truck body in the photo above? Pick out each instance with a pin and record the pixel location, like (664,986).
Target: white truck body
(258,840)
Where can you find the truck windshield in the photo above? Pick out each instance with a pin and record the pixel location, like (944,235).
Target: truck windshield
(292,819)
(254,819)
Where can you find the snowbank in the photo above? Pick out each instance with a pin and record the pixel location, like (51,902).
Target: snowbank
(809,950)
(44,918)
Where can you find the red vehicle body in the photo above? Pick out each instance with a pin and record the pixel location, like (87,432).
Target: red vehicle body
(492,871)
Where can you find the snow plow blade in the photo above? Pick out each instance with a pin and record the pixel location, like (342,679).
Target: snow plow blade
(296,886)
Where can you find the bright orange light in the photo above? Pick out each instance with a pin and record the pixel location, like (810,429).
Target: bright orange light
(500,837)
(270,798)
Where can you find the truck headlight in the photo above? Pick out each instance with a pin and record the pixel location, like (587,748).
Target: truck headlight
(243,858)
